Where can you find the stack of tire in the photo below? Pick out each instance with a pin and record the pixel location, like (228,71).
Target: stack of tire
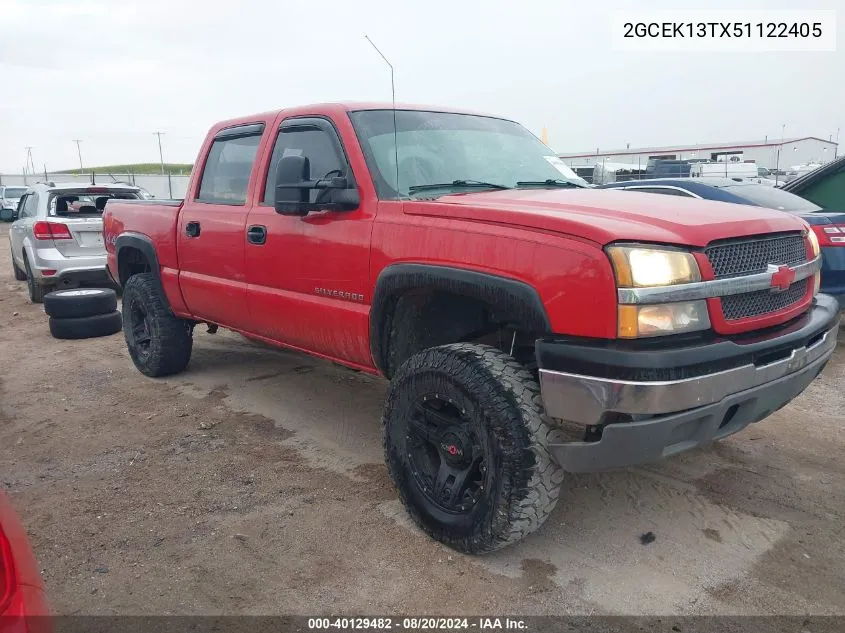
(82,313)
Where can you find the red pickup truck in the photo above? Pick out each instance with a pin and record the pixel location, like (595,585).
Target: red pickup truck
(529,325)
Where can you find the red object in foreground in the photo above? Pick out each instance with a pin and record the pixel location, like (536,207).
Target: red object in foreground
(23,603)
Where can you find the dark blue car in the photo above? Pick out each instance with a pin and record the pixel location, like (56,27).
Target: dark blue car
(829,226)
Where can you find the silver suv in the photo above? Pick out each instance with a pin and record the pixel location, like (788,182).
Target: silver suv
(9,198)
(57,235)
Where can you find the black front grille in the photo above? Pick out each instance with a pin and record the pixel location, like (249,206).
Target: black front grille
(751,256)
(751,304)
(746,257)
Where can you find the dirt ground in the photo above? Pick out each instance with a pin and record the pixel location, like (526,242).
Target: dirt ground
(253,484)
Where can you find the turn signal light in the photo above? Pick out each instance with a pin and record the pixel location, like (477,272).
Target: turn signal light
(51,231)
(661,319)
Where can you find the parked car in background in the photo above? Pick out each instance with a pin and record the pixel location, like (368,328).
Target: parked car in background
(829,226)
(605,172)
(9,198)
(23,605)
(724,169)
(57,236)
(665,168)
(824,186)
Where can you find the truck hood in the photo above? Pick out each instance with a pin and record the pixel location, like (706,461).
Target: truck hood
(607,215)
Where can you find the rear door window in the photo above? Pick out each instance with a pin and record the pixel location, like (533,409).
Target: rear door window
(226,175)
(29,205)
(772,198)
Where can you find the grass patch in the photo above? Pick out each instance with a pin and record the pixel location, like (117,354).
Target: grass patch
(134,168)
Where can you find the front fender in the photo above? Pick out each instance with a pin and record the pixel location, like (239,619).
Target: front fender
(514,302)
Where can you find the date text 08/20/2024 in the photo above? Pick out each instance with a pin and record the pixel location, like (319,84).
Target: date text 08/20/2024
(416,624)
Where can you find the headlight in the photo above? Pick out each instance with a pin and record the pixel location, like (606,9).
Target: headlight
(644,267)
(814,243)
(638,267)
(636,321)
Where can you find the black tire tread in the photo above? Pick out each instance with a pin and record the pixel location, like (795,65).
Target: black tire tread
(529,505)
(171,335)
(86,327)
(62,305)
(36,290)
(20,275)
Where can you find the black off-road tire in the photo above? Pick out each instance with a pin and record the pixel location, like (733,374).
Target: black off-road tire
(159,343)
(36,290)
(80,302)
(20,275)
(86,327)
(500,400)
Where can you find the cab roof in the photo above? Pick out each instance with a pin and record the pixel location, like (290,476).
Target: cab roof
(341,108)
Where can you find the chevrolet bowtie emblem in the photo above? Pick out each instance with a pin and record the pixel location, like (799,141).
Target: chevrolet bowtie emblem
(782,277)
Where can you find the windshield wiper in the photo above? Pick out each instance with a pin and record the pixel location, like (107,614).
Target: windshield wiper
(550,182)
(457,183)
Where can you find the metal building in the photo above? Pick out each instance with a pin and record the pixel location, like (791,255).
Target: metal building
(773,154)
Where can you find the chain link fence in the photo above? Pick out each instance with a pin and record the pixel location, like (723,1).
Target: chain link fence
(159,185)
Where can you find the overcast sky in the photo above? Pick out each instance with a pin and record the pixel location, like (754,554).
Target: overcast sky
(111,72)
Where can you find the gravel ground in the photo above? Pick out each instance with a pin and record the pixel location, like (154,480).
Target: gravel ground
(253,483)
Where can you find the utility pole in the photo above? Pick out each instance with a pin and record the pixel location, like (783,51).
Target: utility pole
(160,154)
(780,147)
(836,147)
(29,165)
(79,153)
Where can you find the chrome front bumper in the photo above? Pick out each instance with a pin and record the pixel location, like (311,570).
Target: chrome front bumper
(636,421)
(585,399)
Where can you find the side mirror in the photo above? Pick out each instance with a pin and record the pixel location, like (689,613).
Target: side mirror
(293,185)
(7,215)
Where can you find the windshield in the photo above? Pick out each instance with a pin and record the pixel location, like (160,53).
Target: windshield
(441,147)
(12,193)
(772,198)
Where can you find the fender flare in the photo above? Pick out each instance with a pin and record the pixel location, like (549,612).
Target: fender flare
(143,244)
(515,301)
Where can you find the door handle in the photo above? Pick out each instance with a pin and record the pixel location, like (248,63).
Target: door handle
(192,229)
(256,234)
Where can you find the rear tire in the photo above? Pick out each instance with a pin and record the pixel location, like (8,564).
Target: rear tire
(466,443)
(36,290)
(86,327)
(82,302)
(159,343)
(20,275)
